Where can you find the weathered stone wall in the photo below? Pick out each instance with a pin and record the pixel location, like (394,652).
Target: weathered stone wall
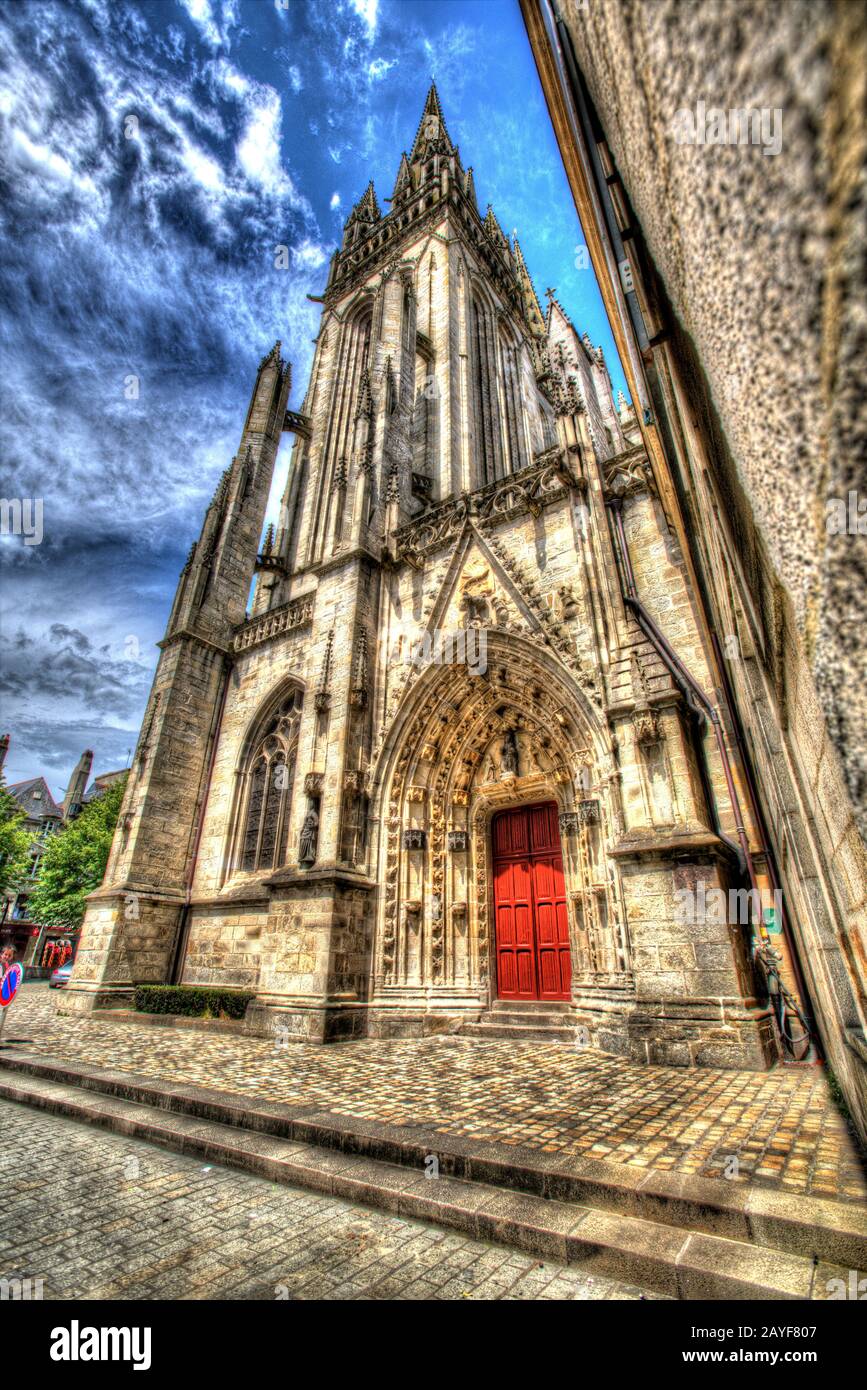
(223,947)
(750,272)
(762,258)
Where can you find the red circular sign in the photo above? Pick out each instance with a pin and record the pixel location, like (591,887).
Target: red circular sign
(10,984)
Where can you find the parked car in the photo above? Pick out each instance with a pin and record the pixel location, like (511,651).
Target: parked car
(59,978)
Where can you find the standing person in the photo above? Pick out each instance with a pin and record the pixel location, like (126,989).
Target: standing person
(7,960)
(7,957)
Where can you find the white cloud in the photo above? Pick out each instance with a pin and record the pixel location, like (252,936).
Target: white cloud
(205,171)
(310,254)
(379,67)
(49,163)
(335,202)
(230,78)
(367,9)
(202,15)
(295,79)
(259,150)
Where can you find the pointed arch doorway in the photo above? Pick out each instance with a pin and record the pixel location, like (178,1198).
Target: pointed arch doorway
(531,922)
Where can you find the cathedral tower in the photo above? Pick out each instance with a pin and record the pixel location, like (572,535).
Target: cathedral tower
(446,770)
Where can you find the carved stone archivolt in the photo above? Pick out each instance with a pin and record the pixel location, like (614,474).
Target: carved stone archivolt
(523,735)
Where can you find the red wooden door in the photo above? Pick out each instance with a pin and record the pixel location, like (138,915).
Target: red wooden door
(530,918)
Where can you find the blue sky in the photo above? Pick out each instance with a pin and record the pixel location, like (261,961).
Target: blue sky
(152,156)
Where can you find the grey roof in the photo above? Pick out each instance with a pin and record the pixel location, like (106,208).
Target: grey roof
(103,781)
(35,799)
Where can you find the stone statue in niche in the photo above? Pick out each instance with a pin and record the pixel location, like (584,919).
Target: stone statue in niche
(509,755)
(490,769)
(309,837)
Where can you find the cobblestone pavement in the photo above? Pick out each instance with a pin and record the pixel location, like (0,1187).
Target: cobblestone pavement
(96,1215)
(782,1125)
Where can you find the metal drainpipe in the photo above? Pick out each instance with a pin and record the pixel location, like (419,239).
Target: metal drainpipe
(699,703)
(183,928)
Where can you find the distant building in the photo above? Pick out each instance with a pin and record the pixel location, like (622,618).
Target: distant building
(43,817)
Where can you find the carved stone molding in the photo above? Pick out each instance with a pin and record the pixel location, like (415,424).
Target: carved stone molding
(457,841)
(414,839)
(645,722)
(545,480)
(353,783)
(588,812)
(313,783)
(627,474)
(273,624)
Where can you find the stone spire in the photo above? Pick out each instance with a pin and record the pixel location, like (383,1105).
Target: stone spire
(470,188)
(493,228)
(528,292)
(431,136)
(215,582)
(403,184)
(366,209)
(74,798)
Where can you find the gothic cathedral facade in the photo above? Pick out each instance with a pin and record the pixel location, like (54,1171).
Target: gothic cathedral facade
(446,770)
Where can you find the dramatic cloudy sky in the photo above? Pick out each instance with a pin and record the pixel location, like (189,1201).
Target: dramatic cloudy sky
(154,153)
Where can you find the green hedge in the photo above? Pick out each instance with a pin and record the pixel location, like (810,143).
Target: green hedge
(191,1001)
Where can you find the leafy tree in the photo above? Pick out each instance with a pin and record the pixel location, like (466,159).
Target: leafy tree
(14,842)
(74,862)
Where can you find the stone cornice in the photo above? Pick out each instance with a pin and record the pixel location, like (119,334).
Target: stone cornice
(189,634)
(672,844)
(263,627)
(343,557)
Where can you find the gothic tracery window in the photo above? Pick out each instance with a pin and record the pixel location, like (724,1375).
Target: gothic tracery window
(511,410)
(266,791)
(485,385)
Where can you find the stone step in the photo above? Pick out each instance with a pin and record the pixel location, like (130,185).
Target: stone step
(745,1213)
(519,1032)
(675,1262)
(536,1008)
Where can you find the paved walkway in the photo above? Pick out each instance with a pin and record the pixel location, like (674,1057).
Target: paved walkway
(95,1215)
(782,1127)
